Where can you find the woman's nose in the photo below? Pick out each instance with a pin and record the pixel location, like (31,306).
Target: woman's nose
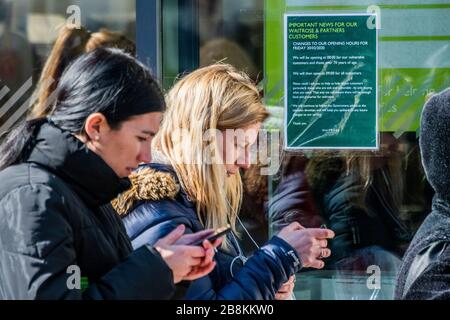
(243,161)
(244,166)
(145,155)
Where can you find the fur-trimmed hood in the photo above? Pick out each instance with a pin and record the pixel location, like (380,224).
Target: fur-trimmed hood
(147,184)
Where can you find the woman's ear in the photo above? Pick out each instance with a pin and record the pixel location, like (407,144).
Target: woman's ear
(95,125)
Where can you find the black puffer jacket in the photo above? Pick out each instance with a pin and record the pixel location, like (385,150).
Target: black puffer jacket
(50,219)
(425,272)
(357,226)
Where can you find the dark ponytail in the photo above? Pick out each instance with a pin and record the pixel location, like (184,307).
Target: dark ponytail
(107,81)
(17,144)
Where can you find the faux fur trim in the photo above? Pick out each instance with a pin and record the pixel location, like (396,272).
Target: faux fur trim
(147,184)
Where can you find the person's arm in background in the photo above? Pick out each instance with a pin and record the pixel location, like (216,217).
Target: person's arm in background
(292,202)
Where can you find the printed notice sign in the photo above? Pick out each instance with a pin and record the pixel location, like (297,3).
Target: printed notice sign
(331,81)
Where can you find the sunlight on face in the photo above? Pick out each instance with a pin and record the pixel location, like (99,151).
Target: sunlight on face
(236,147)
(124,149)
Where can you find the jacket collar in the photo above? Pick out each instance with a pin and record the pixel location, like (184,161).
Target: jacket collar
(182,195)
(151,182)
(66,156)
(441,204)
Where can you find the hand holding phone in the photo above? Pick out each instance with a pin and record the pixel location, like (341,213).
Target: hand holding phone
(219,232)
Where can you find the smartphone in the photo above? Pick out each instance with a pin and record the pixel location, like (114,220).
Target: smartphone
(219,232)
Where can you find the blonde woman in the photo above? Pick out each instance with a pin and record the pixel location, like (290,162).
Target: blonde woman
(212,119)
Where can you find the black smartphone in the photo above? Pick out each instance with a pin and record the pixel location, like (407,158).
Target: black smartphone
(219,232)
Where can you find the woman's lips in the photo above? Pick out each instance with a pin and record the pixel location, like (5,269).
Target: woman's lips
(130,170)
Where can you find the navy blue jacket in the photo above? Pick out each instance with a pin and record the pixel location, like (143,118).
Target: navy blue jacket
(260,277)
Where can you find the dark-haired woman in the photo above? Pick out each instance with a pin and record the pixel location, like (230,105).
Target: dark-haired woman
(57,172)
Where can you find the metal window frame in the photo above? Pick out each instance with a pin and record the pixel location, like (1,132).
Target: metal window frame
(148,35)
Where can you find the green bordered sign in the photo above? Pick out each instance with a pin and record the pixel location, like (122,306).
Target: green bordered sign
(331,81)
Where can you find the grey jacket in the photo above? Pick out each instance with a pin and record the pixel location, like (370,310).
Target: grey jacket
(425,272)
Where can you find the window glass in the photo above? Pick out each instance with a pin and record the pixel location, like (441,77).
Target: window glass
(373,200)
(28,29)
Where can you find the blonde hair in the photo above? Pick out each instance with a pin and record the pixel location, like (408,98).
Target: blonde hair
(227,51)
(213,97)
(111,39)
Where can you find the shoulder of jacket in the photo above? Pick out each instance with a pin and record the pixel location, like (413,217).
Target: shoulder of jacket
(429,258)
(26,176)
(146,184)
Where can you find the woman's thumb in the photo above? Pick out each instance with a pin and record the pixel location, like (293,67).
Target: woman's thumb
(174,235)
